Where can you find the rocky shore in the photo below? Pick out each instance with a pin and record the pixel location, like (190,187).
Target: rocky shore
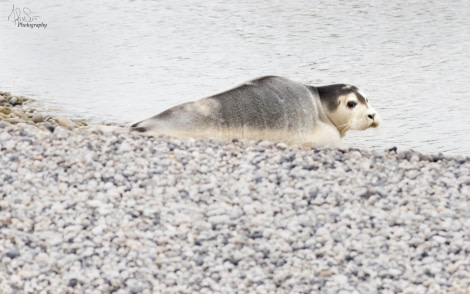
(15,109)
(87,211)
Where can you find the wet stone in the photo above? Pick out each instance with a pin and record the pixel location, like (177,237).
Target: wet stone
(37,118)
(13,100)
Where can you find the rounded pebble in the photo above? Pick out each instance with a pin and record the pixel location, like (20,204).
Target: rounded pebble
(13,100)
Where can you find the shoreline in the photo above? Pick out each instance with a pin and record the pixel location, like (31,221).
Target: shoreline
(15,109)
(82,210)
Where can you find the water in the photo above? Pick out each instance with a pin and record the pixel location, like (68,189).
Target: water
(122,61)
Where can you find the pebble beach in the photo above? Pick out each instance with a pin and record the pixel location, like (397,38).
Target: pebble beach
(84,210)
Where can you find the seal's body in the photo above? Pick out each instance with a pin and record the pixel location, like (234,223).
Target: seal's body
(270,108)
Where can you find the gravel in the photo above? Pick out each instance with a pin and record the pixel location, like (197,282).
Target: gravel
(112,212)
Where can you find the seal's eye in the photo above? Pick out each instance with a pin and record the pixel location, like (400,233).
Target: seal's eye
(351,104)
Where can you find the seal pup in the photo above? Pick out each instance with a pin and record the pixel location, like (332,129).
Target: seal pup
(271,108)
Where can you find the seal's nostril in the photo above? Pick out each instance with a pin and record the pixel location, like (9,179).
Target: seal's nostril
(371,116)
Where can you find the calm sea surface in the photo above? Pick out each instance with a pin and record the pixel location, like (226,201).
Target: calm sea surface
(122,61)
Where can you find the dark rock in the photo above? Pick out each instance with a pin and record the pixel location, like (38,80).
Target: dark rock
(13,253)
(392,150)
(72,283)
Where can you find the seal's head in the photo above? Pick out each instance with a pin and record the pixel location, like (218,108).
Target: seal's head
(348,108)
